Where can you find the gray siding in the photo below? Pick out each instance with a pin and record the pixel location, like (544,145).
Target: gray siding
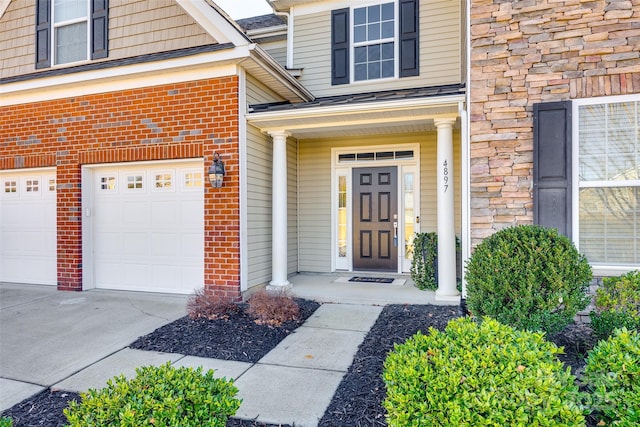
(136,27)
(277,49)
(440,51)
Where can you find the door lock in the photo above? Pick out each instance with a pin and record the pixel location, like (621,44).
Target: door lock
(395,233)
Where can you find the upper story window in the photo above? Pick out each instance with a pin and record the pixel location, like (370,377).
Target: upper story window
(71,28)
(69,31)
(375,41)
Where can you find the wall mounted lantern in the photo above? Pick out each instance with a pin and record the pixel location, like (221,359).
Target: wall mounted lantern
(216,171)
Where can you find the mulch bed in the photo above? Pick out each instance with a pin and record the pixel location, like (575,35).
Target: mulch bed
(238,337)
(358,399)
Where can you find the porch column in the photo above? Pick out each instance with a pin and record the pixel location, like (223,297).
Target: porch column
(279,213)
(446,213)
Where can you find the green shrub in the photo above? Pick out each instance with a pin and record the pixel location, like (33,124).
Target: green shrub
(6,422)
(612,374)
(424,263)
(528,277)
(157,396)
(479,374)
(617,304)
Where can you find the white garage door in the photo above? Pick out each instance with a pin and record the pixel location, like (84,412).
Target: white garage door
(28,226)
(148,227)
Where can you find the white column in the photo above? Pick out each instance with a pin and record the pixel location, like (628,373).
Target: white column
(446,213)
(279,213)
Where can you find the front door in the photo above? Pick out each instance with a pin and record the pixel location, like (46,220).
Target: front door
(375,219)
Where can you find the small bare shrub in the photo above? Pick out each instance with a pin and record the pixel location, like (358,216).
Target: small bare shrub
(208,306)
(273,308)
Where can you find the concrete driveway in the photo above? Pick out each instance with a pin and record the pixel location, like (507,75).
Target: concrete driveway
(48,335)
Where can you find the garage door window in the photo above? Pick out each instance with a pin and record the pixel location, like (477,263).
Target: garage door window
(10,186)
(52,185)
(108,183)
(163,181)
(134,182)
(32,185)
(192,180)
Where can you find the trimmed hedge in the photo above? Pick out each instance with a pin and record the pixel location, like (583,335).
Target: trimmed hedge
(479,374)
(612,375)
(617,304)
(528,277)
(157,396)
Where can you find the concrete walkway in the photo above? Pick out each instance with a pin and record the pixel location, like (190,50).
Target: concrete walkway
(74,342)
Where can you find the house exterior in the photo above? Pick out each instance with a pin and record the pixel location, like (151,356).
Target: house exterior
(554,123)
(344,127)
(331,129)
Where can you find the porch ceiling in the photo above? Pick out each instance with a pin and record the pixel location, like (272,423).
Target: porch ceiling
(407,116)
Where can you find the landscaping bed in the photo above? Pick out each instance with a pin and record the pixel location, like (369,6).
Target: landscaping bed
(358,400)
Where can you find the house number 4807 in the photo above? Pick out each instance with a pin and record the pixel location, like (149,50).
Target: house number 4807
(445,175)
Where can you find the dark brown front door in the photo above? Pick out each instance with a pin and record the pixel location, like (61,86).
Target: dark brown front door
(375,209)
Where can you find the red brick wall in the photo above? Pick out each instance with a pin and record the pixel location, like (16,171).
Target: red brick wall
(175,121)
(525,52)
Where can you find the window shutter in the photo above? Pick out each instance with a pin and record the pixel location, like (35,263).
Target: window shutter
(43,34)
(409,58)
(99,29)
(552,166)
(340,46)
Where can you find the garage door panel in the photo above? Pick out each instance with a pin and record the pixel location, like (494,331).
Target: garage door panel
(154,233)
(28,227)
(135,244)
(165,212)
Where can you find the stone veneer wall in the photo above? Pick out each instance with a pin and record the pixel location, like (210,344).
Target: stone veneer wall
(525,52)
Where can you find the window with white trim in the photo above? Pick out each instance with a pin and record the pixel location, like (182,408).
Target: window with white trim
(163,181)
(70,31)
(609,181)
(192,180)
(374,42)
(52,184)
(32,185)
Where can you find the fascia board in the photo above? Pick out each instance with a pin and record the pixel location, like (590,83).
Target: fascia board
(329,110)
(213,22)
(4,4)
(196,67)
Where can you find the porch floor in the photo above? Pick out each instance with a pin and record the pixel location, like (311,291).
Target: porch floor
(335,288)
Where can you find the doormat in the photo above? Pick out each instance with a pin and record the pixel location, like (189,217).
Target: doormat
(371,279)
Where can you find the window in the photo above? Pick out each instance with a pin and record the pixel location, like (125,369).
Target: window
(192,180)
(108,183)
(609,181)
(134,182)
(375,41)
(32,185)
(52,184)
(11,186)
(69,31)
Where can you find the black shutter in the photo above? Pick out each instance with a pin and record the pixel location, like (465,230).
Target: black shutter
(552,165)
(43,33)
(99,29)
(409,58)
(340,46)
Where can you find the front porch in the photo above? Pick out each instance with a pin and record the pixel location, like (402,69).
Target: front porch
(335,288)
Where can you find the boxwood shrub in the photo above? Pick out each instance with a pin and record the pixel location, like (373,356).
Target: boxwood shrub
(528,277)
(612,375)
(157,396)
(617,304)
(6,422)
(479,374)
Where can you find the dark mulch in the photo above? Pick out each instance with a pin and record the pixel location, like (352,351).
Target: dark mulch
(358,400)
(236,338)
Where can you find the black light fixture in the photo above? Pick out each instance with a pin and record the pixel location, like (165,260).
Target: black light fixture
(216,171)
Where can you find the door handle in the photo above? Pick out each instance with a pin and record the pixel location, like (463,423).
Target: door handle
(395,233)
